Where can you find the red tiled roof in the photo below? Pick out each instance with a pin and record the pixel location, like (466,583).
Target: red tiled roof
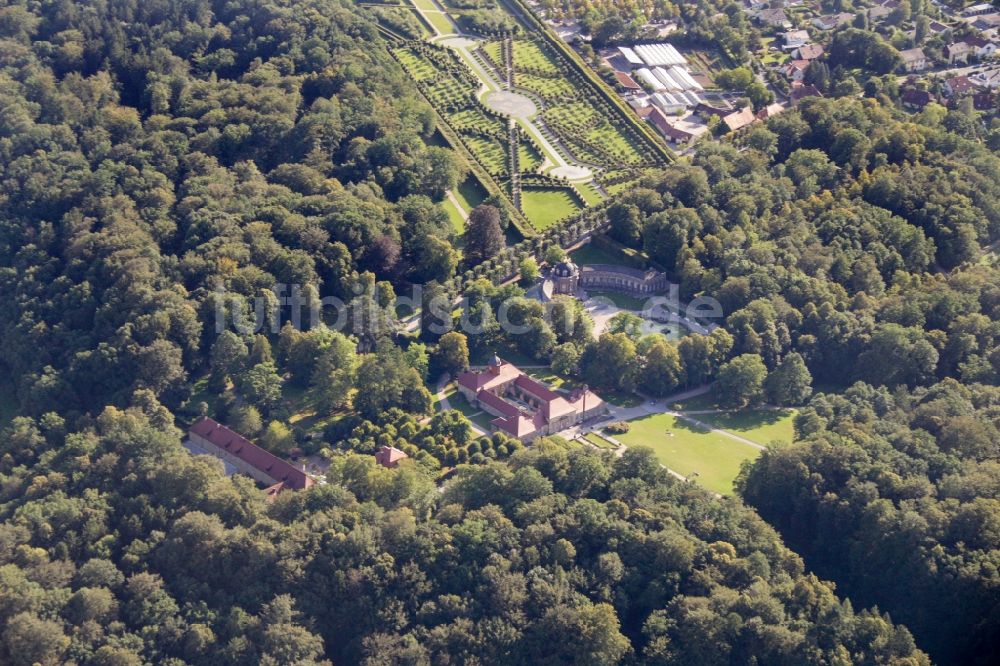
(497,403)
(535,388)
(739,119)
(810,51)
(280,470)
(659,120)
(801,92)
(389,456)
(627,81)
(959,84)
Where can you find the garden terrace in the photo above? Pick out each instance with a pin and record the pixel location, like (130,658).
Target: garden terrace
(548,88)
(530,57)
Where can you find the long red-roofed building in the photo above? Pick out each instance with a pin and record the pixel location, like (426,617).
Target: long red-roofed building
(524,407)
(208,436)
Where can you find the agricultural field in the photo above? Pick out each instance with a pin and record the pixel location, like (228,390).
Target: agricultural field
(712,459)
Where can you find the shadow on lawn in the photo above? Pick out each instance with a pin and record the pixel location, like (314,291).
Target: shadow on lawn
(736,422)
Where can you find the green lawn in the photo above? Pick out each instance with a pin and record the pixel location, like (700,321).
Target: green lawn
(440,21)
(530,55)
(713,460)
(455,215)
(472,412)
(200,392)
(546,206)
(552,379)
(703,401)
(615,188)
(489,152)
(599,441)
(590,194)
(471,193)
(758,425)
(621,300)
(547,88)
(529,157)
(592,253)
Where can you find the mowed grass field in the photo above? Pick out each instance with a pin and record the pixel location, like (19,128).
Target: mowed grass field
(712,458)
(439,20)
(547,205)
(758,425)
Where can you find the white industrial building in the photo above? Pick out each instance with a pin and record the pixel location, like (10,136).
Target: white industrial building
(672,79)
(662,55)
(630,56)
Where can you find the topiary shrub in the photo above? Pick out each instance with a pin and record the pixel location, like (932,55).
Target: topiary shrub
(618,428)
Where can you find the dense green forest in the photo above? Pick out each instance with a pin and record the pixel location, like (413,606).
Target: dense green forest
(120,548)
(896,495)
(155,153)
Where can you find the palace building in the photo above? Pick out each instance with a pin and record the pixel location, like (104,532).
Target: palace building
(568,278)
(524,407)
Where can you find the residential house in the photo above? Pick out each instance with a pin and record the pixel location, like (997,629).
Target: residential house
(770,111)
(679,131)
(958,85)
(794,70)
(808,52)
(979,10)
(775,18)
(987,24)
(879,13)
(705,110)
(986,79)
(801,91)
(738,120)
(936,27)
(984,101)
(957,52)
(983,48)
(915,99)
(796,38)
(832,21)
(914,60)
